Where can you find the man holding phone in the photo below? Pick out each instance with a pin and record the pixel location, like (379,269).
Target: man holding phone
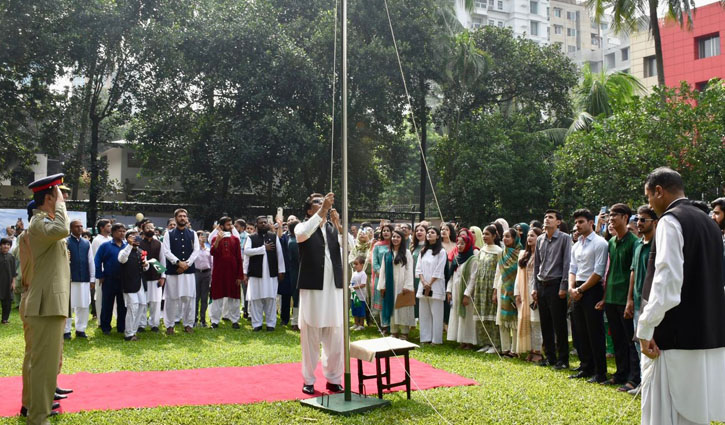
(264,266)
(133,264)
(227,274)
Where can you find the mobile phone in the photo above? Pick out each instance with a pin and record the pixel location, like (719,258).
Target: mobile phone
(280,212)
(138,238)
(533,305)
(270,220)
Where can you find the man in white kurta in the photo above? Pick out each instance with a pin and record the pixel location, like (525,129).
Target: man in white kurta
(262,291)
(678,386)
(180,291)
(321,311)
(103,236)
(80,292)
(154,287)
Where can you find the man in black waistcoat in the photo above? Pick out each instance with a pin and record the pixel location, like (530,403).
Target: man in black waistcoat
(133,264)
(321,316)
(681,328)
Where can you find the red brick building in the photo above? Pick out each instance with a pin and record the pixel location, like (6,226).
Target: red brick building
(694,55)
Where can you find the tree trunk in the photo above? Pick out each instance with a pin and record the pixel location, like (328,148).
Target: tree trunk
(85,112)
(93,191)
(655,28)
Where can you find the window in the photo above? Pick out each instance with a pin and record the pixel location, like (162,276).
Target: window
(610,60)
(595,40)
(708,46)
(570,16)
(571,49)
(650,66)
(490,3)
(534,7)
(500,24)
(480,4)
(547,13)
(594,66)
(534,28)
(701,86)
(558,29)
(477,23)
(132,161)
(557,12)
(500,5)
(571,32)
(604,26)
(491,22)
(625,54)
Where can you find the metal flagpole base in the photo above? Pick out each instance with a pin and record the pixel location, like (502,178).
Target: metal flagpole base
(336,404)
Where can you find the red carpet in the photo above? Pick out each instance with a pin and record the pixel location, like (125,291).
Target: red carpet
(224,385)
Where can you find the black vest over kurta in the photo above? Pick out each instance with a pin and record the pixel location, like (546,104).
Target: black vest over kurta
(131,272)
(182,246)
(696,323)
(153,251)
(312,259)
(255,262)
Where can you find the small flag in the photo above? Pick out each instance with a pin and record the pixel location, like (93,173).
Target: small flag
(157,266)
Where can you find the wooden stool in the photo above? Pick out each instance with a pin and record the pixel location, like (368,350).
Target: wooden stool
(381,349)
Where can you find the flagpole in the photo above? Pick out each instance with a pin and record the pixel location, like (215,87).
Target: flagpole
(345,246)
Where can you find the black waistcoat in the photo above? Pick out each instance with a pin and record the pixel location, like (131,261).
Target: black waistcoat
(696,323)
(153,251)
(312,259)
(131,272)
(255,262)
(181,243)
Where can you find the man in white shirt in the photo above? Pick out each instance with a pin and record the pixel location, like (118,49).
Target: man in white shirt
(321,315)
(104,235)
(681,328)
(264,268)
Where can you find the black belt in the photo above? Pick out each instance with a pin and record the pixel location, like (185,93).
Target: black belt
(203,271)
(552,282)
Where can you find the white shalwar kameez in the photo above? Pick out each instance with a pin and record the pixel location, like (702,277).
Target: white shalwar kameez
(80,298)
(135,301)
(462,329)
(321,317)
(679,386)
(99,240)
(180,291)
(154,295)
(262,291)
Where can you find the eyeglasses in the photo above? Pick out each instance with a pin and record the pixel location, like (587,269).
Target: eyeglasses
(317,202)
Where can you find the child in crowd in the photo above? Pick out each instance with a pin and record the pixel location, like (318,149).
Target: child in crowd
(358,283)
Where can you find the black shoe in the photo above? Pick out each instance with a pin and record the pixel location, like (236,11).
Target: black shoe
(543,363)
(66,335)
(59,390)
(54,406)
(334,388)
(155,329)
(81,335)
(308,389)
(225,319)
(57,397)
(235,325)
(257,329)
(269,329)
(581,374)
(141,329)
(23,411)
(577,369)
(53,413)
(561,366)
(596,379)
(106,332)
(214,325)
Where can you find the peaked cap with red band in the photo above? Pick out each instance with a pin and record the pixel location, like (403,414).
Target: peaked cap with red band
(46,182)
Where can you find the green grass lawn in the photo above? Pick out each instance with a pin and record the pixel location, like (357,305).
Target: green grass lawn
(509,391)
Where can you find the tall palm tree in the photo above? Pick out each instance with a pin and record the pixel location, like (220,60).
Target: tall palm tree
(628,14)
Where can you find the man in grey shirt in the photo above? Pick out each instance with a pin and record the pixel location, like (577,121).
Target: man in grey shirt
(551,268)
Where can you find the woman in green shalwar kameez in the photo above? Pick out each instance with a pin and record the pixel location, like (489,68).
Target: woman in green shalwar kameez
(488,258)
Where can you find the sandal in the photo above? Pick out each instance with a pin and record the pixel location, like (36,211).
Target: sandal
(626,387)
(610,381)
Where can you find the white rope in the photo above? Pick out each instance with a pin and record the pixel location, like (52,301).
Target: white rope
(410,106)
(483,325)
(334,75)
(382,333)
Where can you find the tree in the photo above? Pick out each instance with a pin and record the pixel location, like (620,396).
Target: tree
(609,163)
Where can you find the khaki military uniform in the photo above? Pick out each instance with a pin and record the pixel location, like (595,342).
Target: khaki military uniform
(45,306)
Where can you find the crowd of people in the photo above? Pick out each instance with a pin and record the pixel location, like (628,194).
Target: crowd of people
(514,290)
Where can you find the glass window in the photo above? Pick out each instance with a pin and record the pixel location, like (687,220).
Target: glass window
(650,66)
(481,4)
(557,12)
(500,5)
(534,28)
(625,54)
(571,32)
(491,22)
(610,60)
(708,46)
(571,49)
(534,7)
(558,29)
(500,24)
